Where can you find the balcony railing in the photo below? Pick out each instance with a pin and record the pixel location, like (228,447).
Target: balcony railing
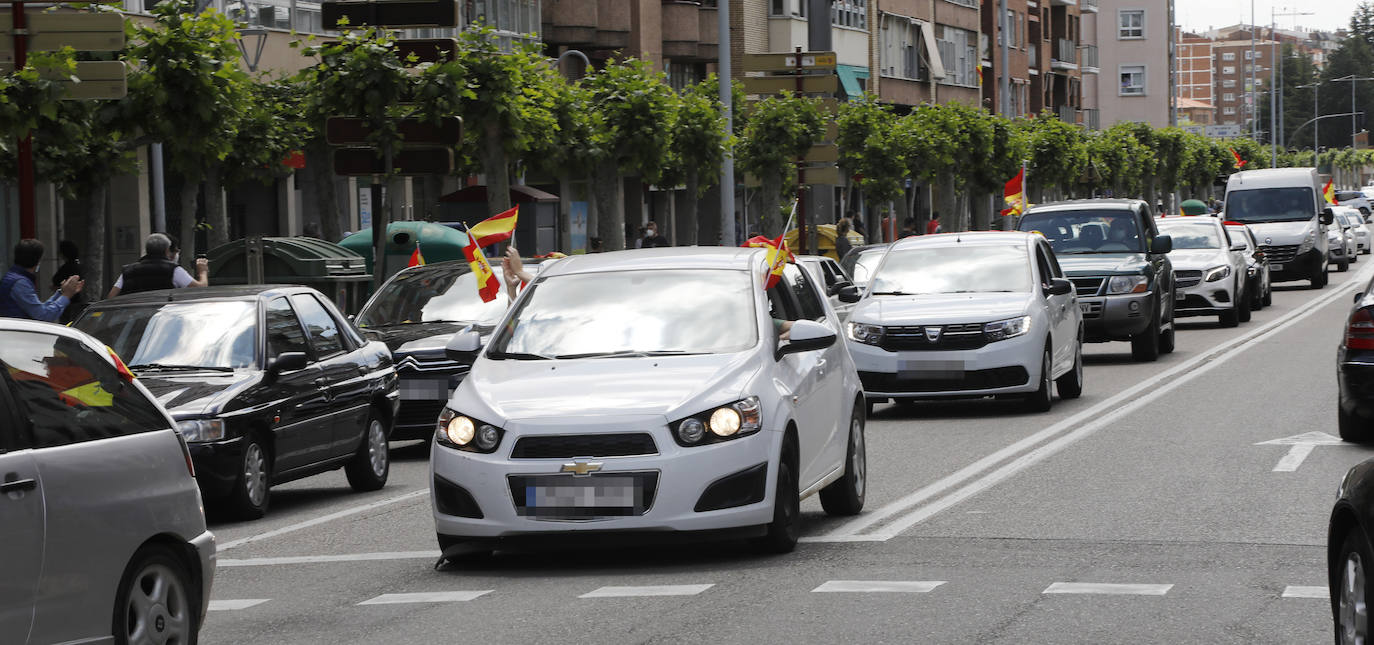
(1092,119)
(1067,113)
(1088,57)
(1065,51)
(1087,5)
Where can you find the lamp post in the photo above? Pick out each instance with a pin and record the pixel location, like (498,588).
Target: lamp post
(1316,118)
(258,35)
(1354,124)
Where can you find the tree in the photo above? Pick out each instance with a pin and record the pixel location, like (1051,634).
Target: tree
(1118,159)
(780,129)
(1355,56)
(698,149)
(871,150)
(1057,155)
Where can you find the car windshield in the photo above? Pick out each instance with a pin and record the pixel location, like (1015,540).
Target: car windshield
(446,293)
(210,335)
(1269,205)
(864,264)
(1075,232)
(630,313)
(1191,235)
(954,269)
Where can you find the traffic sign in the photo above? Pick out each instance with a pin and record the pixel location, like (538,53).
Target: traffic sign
(810,84)
(96,80)
(101,32)
(349,131)
(419,161)
(827,175)
(391,13)
(788,61)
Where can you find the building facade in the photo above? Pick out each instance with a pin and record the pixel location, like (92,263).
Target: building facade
(1193,76)
(1240,66)
(1134,37)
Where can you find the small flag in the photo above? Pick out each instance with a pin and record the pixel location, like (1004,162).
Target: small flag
(1015,195)
(1329,191)
(1240,163)
(487,284)
(778,256)
(417,259)
(497,228)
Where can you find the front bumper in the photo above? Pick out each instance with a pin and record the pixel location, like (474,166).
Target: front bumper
(1205,298)
(1003,367)
(1305,266)
(204,544)
(1107,318)
(217,466)
(681,477)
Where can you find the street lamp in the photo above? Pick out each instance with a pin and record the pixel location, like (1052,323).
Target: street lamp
(258,35)
(1354,125)
(1316,117)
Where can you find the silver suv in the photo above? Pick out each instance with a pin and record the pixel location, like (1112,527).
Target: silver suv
(101,521)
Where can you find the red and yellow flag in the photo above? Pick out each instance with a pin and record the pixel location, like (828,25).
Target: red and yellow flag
(1015,194)
(417,259)
(1240,163)
(497,228)
(487,285)
(1329,191)
(778,256)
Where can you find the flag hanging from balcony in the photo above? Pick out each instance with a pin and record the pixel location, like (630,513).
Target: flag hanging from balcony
(1015,194)
(1240,163)
(1329,191)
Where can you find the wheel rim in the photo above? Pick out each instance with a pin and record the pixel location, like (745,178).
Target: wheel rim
(858,463)
(1354,612)
(376,447)
(157,610)
(255,474)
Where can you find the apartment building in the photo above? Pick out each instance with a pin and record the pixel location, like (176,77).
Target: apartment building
(681,38)
(926,51)
(1236,63)
(1012,31)
(1193,78)
(1134,37)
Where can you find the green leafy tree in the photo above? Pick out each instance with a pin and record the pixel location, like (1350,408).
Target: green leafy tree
(870,149)
(779,130)
(1118,160)
(1057,153)
(698,149)
(1355,56)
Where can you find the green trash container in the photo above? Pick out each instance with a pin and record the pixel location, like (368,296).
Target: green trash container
(438,243)
(329,268)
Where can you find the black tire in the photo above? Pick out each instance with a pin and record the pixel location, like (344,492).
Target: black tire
(1342,265)
(1351,587)
(1351,427)
(1243,307)
(1257,300)
(845,496)
(1230,317)
(371,464)
(1070,385)
(1145,345)
(1269,296)
(785,528)
(1042,399)
(1321,278)
(157,600)
(252,492)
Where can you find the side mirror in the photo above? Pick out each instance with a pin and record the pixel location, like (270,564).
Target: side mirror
(807,336)
(286,362)
(1327,216)
(848,294)
(1359,295)
(835,288)
(1059,287)
(1162,244)
(463,347)
(1239,246)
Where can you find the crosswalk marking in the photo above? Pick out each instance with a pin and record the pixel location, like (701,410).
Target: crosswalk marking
(649,590)
(1108,589)
(235,605)
(1298,591)
(426,596)
(878,586)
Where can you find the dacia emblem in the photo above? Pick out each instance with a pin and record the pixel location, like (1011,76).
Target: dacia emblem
(933,333)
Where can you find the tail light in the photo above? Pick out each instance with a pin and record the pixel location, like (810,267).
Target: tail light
(186,453)
(1360,332)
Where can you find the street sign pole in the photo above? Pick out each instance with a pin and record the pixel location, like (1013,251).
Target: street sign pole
(380,218)
(801,177)
(27,227)
(727,169)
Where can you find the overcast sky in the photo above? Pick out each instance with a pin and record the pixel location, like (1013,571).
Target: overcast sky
(1199,15)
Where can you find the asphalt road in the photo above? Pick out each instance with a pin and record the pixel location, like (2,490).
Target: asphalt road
(1143,512)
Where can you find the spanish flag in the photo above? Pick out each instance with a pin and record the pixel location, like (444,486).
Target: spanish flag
(778,257)
(487,285)
(417,259)
(497,228)
(1015,194)
(1329,191)
(1240,163)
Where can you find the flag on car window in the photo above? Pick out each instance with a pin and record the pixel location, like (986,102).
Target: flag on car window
(497,228)
(487,285)
(1015,194)
(417,259)
(1329,191)
(778,256)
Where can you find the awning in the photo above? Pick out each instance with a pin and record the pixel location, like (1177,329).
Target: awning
(849,79)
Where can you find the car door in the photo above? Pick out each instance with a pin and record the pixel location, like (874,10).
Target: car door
(823,404)
(302,433)
(22,528)
(340,378)
(1063,332)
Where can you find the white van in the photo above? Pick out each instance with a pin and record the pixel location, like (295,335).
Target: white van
(1284,208)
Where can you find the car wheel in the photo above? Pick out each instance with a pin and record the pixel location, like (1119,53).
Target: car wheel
(370,465)
(1351,427)
(251,493)
(845,496)
(1350,604)
(157,601)
(1342,265)
(785,528)
(1145,345)
(1042,399)
(1242,307)
(1322,278)
(1268,295)
(1070,385)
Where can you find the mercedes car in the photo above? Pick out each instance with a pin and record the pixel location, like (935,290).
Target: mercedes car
(1210,269)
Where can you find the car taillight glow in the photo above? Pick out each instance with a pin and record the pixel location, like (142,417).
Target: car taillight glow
(1360,332)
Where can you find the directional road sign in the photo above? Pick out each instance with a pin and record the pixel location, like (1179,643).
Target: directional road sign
(425,50)
(420,161)
(786,62)
(810,84)
(98,80)
(348,131)
(97,32)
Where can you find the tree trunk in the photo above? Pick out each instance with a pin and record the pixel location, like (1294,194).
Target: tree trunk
(190,196)
(982,211)
(769,221)
(903,211)
(687,224)
(93,270)
(319,166)
(610,205)
(948,203)
(215,215)
(497,169)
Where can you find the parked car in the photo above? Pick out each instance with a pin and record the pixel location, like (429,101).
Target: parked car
(1349,559)
(1358,229)
(267,383)
(1283,207)
(1340,240)
(969,314)
(1210,270)
(859,263)
(1355,371)
(1354,199)
(1113,253)
(649,391)
(827,272)
(1259,287)
(104,538)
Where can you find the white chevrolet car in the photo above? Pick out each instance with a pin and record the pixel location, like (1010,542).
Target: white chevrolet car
(1210,271)
(968,314)
(645,392)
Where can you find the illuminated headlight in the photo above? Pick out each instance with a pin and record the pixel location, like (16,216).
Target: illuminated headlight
(201,429)
(726,422)
(1307,242)
(866,334)
(1120,284)
(1009,328)
(464,433)
(1218,273)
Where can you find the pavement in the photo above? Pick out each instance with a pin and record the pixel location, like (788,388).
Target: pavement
(1151,510)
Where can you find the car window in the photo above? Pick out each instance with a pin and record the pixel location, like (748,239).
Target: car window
(981,268)
(1238,235)
(1269,205)
(805,292)
(865,263)
(71,394)
(1086,231)
(211,334)
(1045,270)
(836,272)
(1190,235)
(319,326)
(283,329)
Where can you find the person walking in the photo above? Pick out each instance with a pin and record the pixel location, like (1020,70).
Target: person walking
(842,244)
(70,267)
(933,226)
(158,269)
(651,237)
(19,287)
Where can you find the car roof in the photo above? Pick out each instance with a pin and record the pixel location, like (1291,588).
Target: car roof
(194,294)
(1272,177)
(20,324)
(971,238)
(673,257)
(1203,220)
(1085,204)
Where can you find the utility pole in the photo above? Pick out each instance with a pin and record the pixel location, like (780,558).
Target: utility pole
(727,168)
(1254,102)
(1276,71)
(1354,121)
(1316,118)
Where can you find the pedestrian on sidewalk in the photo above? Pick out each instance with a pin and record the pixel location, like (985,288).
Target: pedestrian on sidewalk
(933,226)
(651,238)
(19,287)
(842,244)
(159,269)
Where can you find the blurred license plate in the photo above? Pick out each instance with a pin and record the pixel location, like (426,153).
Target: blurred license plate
(1085,307)
(1276,267)
(930,369)
(424,389)
(601,492)
(1179,295)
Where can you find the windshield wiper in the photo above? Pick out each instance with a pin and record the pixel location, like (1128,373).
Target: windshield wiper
(520,356)
(629,353)
(161,366)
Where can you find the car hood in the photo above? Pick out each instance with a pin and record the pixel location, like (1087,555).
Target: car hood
(413,338)
(671,386)
(1198,259)
(190,394)
(1282,233)
(1102,263)
(940,308)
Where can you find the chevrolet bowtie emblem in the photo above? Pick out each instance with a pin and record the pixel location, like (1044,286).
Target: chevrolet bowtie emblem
(581,468)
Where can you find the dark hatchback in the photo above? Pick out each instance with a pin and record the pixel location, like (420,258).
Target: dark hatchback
(1349,559)
(268,384)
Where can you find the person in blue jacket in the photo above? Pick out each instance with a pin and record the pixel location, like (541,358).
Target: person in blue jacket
(19,287)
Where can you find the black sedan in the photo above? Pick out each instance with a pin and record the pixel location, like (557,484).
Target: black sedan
(268,384)
(1349,559)
(1355,371)
(1257,281)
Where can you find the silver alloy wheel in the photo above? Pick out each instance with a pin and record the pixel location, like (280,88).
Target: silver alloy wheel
(158,611)
(1354,612)
(377,447)
(859,462)
(255,474)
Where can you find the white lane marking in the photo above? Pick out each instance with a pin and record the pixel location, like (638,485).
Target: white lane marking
(1302,446)
(650,590)
(314,559)
(877,586)
(1297,591)
(1108,589)
(1124,402)
(235,605)
(292,528)
(428,596)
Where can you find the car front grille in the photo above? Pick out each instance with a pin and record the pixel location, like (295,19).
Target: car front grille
(588,445)
(1088,286)
(420,413)
(1280,254)
(430,366)
(951,337)
(975,380)
(1189,278)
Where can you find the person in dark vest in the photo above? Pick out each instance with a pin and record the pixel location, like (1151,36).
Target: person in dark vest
(19,287)
(70,267)
(158,269)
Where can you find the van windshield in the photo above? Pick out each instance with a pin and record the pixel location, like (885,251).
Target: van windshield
(1270,205)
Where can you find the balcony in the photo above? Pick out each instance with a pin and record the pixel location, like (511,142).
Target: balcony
(1063,3)
(1067,113)
(1087,6)
(681,28)
(1087,59)
(1091,118)
(1065,55)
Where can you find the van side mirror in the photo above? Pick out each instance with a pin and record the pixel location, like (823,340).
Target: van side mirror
(285,362)
(1327,217)
(1059,287)
(463,347)
(1162,244)
(848,294)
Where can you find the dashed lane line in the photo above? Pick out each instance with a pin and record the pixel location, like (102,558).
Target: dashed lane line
(878,586)
(1298,591)
(1108,589)
(292,528)
(317,559)
(425,597)
(647,591)
(236,605)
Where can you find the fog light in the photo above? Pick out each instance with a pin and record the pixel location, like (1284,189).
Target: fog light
(691,430)
(1134,307)
(487,437)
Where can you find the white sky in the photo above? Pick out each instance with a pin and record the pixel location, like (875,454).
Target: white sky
(1199,15)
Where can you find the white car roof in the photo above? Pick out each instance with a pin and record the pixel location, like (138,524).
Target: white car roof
(1272,178)
(970,238)
(680,257)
